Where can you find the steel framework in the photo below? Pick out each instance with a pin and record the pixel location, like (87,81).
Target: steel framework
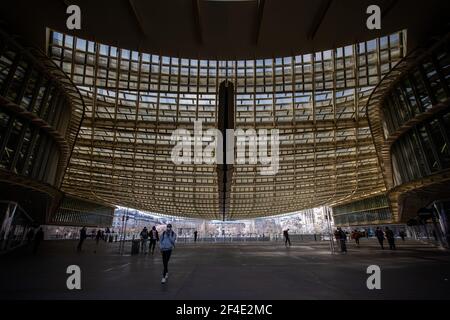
(134,102)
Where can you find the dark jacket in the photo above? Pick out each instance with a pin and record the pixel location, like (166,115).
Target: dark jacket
(379,234)
(144,234)
(150,233)
(39,236)
(389,234)
(30,235)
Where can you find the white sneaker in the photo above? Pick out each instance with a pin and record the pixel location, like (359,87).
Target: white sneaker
(163,280)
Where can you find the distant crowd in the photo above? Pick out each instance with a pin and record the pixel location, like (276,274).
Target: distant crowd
(341,237)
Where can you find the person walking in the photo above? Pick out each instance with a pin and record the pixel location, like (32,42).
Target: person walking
(144,239)
(380,236)
(286,237)
(83,236)
(30,236)
(390,238)
(402,235)
(166,245)
(435,235)
(38,238)
(98,237)
(195,236)
(154,236)
(342,239)
(356,235)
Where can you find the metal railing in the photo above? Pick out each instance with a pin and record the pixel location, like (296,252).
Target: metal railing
(16,226)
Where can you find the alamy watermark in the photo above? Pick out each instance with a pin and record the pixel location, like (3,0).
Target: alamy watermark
(73,282)
(207,147)
(374,280)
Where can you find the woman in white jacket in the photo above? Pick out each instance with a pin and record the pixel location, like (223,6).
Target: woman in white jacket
(166,244)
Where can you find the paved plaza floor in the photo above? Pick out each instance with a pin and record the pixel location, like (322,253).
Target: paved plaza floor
(238,270)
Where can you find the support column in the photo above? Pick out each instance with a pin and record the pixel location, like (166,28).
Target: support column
(444,222)
(225,170)
(6,225)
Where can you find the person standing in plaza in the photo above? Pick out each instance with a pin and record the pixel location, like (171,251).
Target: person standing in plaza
(167,244)
(38,238)
(390,238)
(30,236)
(144,239)
(98,236)
(380,236)
(286,237)
(154,237)
(195,236)
(83,235)
(97,240)
(356,235)
(342,237)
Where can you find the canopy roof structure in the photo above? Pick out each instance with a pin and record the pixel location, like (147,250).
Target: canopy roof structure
(135,101)
(225,29)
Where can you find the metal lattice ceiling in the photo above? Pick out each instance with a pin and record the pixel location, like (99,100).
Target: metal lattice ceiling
(134,101)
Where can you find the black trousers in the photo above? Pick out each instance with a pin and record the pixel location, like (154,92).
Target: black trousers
(343,245)
(391,242)
(36,245)
(381,240)
(80,244)
(287,240)
(166,257)
(152,245)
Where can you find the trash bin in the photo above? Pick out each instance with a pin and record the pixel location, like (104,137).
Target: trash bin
(135,244)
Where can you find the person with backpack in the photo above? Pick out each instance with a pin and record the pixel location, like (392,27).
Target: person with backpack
(166,245)
(380,236)
(154,237)
(144,239)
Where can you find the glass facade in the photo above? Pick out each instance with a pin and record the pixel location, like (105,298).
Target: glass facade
(34,116)
(40,116)
(27,150)
(422,151)
(409,118)
(423,88)
(372,210)
(416,114)
(135,101)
